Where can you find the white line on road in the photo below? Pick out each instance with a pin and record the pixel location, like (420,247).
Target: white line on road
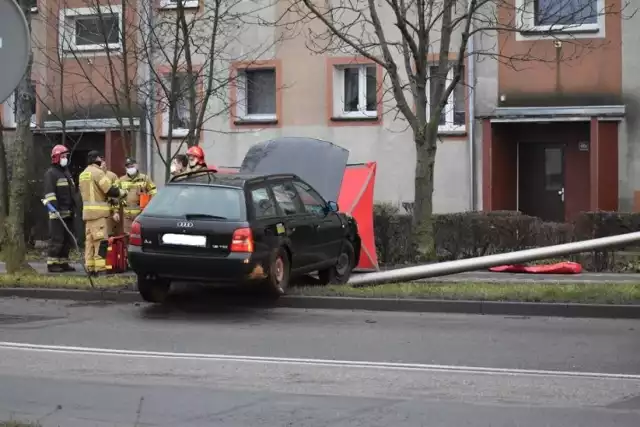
(309,362)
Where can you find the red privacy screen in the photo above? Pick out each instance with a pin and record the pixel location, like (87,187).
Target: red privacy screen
(355,199)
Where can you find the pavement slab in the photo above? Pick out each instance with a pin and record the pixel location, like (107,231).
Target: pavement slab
(472,276)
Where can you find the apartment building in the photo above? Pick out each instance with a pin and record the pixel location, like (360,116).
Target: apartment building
(550,138)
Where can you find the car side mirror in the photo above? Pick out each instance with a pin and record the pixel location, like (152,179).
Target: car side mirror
(332,207)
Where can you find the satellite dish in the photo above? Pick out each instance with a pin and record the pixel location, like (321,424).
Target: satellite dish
(15,47)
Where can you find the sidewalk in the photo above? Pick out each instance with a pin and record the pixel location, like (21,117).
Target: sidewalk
(472,276)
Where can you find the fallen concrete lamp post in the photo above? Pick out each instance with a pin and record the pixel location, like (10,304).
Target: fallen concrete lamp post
(472,264)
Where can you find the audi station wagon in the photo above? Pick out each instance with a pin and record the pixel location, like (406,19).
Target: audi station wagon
(264,229)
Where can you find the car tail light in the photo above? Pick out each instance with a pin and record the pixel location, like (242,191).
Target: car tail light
(242,240)
(135,236)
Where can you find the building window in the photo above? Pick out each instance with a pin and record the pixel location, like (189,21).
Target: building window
(91,29)
(453,115)
(355,91)
(558,16)
(256,96)
(11,109)
(173,4)
(181,99)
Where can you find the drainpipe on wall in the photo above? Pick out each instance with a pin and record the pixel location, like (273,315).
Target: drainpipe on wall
(147,26)
(471,62)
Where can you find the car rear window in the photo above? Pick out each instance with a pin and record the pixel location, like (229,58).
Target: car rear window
(180,200)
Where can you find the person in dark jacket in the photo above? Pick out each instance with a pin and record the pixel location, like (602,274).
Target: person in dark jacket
(60,191)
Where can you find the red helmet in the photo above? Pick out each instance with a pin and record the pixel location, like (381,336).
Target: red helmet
(196,152)
(57,152)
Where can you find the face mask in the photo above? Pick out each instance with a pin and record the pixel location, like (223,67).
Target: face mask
(131,171)
(64,162)
(193,162)
(173,168)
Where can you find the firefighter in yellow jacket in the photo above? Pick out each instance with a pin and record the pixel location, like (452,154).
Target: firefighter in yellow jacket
(96,188)
(135,183)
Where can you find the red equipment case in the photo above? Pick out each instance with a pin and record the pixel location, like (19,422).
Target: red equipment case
(117,254)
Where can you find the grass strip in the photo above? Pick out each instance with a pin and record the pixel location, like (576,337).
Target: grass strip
(54,281)
(587,293)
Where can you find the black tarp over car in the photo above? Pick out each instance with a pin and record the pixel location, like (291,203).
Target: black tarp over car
(318,162)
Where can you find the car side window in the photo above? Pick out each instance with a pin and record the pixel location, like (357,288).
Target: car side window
(312,201)
(286,196)
(263,206)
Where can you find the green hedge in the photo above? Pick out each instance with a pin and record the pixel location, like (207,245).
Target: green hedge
(471,234)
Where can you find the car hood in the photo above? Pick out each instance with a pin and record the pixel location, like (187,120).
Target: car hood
(320,163)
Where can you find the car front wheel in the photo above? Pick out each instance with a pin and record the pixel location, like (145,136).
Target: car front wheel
(341,272)
(153,290)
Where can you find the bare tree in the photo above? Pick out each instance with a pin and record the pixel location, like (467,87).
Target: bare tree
(419,43)
(191,55)
(21,149)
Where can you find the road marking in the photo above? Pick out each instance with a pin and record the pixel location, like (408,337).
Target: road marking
(309,362)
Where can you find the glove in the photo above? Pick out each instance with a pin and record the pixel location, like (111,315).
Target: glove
(49,206)
(116,217)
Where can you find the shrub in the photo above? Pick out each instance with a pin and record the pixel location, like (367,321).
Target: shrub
(472,234)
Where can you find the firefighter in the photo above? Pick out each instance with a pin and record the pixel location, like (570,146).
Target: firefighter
(195,155)
(60,192)
(113,222)
(135,183)
(96,188)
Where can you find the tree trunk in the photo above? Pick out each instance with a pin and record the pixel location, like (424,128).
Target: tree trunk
(22,153)
(4,189)
(424,238)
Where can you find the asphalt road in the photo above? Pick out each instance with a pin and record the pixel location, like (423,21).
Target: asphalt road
(200,364)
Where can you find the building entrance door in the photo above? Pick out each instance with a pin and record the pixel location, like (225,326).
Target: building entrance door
(541,180)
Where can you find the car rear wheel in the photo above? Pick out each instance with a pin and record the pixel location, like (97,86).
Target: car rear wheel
(279,272)
(153,290)
(341,271)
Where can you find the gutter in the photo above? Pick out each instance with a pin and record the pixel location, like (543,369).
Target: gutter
(471,62)
(147,26)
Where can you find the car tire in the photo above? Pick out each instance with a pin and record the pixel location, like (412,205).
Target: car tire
(340,273)
(279,273)
(153,290)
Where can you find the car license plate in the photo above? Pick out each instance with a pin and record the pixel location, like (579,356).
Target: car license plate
(184,240)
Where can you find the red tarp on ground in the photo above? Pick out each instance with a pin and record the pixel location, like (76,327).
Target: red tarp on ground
(356,199)
(557,268)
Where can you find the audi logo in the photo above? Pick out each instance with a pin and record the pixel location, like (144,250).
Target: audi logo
(185,224)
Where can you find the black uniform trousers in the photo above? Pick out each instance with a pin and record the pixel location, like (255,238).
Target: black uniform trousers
(60,241)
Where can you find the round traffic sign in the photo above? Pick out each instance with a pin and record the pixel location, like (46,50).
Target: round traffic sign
(15,47)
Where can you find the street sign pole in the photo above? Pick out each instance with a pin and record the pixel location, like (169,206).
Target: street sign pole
(15,47)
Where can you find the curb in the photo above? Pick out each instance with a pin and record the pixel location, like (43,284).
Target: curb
(609,311)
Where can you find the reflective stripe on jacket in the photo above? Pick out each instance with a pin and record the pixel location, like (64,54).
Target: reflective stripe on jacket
(59,190)
(94,188)
(135,186)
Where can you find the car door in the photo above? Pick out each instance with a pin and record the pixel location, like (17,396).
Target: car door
(298,225)
(328,226)
(266,223)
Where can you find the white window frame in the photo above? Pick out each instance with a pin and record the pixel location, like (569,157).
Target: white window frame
(338,92)
(529,31)
(241,96)
(9,116)
(175,132)
(67,33)
(449,126)
(186,4)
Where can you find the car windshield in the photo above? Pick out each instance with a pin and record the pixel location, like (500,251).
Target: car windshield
(198,202)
